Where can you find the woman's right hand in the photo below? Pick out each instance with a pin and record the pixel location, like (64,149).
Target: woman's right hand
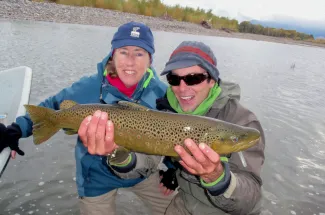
(97,134)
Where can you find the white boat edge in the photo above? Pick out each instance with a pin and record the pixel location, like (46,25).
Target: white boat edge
(6,153)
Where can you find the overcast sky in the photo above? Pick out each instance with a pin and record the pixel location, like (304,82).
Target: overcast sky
(260,9)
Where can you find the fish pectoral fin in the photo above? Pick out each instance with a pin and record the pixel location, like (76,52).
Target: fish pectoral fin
(119,156)
(132,106)
(69,131)
(66,104)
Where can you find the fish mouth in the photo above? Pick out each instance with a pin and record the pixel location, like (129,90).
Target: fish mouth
(254,136)
(246,144)
(254,141)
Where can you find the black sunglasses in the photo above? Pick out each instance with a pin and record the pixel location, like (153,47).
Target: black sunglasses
(191,79)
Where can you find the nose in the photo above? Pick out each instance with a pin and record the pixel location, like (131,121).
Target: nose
(182,86)
(130,60)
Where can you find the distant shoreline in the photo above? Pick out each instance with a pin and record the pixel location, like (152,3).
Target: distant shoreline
(52,12)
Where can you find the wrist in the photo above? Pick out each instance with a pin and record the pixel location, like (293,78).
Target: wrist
(13,131)
(214,176)
(210,183)
(124,163)
(127,165)
(220,185)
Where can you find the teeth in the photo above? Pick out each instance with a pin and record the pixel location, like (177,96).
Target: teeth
(129,72)
(186,97)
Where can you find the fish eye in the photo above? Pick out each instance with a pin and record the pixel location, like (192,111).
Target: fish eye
(234,139)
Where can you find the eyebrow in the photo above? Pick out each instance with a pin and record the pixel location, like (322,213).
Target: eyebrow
(139,49)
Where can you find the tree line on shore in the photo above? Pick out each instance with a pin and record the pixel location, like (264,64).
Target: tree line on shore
(156,8)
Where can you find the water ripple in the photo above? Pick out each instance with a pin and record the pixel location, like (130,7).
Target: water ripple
(288,102)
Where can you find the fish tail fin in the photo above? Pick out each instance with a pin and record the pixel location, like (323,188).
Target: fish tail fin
(43,127)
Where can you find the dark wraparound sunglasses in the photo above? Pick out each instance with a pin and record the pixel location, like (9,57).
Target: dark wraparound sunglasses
(191,79)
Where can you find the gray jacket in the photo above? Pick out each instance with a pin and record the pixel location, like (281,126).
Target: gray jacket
(244,192)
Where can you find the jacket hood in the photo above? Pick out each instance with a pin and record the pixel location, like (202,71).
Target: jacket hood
(229,91)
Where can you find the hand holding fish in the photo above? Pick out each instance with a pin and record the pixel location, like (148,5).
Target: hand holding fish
(97,134)
(205,162)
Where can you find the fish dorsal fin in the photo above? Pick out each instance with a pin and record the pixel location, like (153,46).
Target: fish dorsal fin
(132,106)
(66,104)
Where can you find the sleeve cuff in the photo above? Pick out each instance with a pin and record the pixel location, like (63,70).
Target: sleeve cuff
(219,186)
(128,165)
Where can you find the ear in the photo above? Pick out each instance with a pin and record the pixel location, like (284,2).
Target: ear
(212,83)
(150,60)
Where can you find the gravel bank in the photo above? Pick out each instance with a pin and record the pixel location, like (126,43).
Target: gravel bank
(51,12)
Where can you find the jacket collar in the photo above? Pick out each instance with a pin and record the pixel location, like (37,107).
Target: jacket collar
(229,91)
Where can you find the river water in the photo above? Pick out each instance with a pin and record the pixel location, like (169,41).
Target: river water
(287,100)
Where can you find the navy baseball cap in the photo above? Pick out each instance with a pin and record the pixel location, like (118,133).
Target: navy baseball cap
(134,34)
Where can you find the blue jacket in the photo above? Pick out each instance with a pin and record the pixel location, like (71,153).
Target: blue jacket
(93,175)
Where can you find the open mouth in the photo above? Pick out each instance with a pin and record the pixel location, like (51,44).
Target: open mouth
(186,98)
(129,72)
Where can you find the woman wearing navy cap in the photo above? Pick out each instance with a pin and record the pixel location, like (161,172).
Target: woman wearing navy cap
(125,74)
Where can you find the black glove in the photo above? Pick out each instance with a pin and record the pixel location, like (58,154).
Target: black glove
(2,135)
(9,136)
(169,179)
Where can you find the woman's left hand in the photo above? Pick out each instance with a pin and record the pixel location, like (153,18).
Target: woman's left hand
(204,163)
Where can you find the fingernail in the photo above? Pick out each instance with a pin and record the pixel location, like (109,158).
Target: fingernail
(103,115)
(97,114)
(188,143)
(177,149)
(88,120)
(202,146)
(109,124)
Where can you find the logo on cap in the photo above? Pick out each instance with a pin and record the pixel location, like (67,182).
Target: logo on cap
(134,32)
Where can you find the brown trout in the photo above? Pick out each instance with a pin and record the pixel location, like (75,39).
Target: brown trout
(140,129)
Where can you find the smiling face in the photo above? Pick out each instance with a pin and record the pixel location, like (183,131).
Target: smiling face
(190,97)
(131,62)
